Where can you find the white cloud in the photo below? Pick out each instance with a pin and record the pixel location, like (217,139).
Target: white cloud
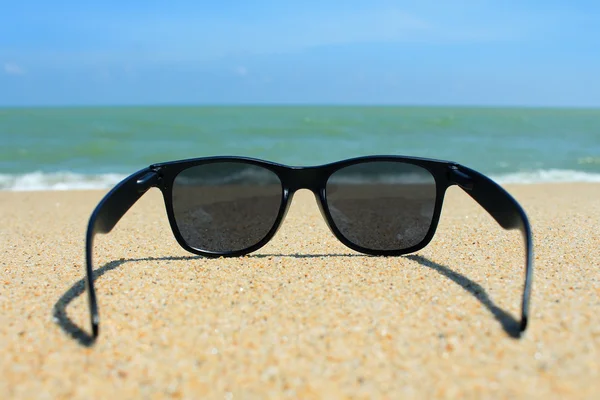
(11,68)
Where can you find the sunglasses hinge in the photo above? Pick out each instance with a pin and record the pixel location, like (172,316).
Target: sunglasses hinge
(460,178)
(150,179)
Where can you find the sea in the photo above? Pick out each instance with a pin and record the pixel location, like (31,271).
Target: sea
(94,147)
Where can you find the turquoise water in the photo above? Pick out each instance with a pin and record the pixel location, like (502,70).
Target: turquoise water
(61,148)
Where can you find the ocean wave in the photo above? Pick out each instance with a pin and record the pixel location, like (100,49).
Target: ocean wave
(74,181)
(547,176)
(57,181)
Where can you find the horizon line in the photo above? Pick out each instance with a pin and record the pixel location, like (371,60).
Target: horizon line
(300,104)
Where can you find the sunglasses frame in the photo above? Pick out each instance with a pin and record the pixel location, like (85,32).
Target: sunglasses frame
(293,179)
(492,197)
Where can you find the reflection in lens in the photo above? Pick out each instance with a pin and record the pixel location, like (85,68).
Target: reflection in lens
(225,206)
(382,205)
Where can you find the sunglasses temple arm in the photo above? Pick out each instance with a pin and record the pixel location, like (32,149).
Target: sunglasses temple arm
(507,212)
(104,218)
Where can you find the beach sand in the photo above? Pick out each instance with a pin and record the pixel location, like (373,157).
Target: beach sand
(304,317)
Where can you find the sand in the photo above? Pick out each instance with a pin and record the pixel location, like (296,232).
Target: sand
(304,317)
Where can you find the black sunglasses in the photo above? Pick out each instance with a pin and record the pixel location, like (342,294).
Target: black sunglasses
(378,205)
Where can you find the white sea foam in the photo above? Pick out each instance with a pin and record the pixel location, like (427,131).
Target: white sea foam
(74,181)
(547,176)
(57,181)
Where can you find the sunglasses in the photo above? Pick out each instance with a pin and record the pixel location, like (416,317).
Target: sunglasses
(377,205)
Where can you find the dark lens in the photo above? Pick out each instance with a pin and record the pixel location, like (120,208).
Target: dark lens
(382,205)
(226,206)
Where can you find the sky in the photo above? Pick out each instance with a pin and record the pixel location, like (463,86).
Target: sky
(470,52)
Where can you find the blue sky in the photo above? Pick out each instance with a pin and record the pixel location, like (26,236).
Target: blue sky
(471,52)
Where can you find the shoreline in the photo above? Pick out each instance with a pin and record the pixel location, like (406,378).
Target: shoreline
(113,179)
(508,186)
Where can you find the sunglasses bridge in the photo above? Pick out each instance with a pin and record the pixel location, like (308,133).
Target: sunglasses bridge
(297,178)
